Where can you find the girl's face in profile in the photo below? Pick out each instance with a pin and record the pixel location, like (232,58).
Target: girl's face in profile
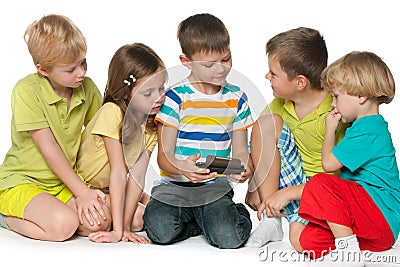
(148,94)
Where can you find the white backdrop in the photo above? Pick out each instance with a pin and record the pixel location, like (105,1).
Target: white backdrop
(346,26)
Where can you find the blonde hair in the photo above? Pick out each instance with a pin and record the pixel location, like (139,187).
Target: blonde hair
(55,40)
(360,73)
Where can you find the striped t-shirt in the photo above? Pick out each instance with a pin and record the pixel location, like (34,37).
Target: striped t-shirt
(204,122)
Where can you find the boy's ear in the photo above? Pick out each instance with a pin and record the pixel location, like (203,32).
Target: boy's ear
(42,70)
(302,82)
(185,61)
(362,99)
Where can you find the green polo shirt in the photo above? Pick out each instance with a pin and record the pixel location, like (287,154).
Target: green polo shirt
(308,133)
(35,105)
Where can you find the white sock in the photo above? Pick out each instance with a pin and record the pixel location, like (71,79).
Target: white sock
(3,221)
(346,254)
(269,229)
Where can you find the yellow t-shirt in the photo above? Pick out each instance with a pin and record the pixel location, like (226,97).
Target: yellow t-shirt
(308,133)
(35,105)
(92,163)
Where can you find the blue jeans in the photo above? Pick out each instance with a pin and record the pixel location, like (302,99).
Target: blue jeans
(223,223)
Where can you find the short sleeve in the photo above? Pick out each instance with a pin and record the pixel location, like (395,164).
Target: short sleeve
(93,95)
(350,151)
(108,121)
(26,106)
(276,106)
(151,140)
(169,111)
(244,117)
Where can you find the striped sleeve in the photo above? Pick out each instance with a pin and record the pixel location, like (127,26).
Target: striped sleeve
(244,118)
(169,111)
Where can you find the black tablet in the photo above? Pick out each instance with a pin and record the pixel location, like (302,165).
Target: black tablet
(222,165)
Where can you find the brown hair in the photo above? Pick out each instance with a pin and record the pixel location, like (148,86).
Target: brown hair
(135,59)
(300,51)
(361,73)
(202,33)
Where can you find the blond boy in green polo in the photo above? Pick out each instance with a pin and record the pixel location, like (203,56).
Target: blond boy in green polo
(41,196)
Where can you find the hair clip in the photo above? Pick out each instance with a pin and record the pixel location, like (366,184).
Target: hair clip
(132,78)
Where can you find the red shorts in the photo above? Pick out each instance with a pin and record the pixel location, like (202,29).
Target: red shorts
(329,198)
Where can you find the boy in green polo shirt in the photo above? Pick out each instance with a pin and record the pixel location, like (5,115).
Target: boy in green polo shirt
(292,127)
(41,196)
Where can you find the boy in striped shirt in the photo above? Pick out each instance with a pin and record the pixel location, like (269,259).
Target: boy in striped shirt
(202,115)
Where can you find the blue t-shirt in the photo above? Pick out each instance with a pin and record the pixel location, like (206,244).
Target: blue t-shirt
(368,158)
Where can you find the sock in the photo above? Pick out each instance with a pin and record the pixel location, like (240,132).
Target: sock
(346,254)
(3,221)
(269,229)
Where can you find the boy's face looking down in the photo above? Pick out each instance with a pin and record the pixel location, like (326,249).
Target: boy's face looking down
(209,67)
(65,76)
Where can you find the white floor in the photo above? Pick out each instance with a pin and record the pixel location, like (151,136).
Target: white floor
(195,251)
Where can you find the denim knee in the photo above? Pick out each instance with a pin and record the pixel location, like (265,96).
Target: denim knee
(226,224)
(155,225)
(166,224)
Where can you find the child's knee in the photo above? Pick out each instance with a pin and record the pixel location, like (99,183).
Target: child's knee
(157,230)
(63,226)
(137,223)
(85,229)
(227,236)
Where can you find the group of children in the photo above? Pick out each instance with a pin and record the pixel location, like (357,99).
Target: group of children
(57,181)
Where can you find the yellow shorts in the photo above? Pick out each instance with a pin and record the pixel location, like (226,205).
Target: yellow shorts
(13,201)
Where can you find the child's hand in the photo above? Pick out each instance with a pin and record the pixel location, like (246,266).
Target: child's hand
(332,120)
(134,238)
(105,237)
(243,176)
(274,205)
(89,205)
(194,173)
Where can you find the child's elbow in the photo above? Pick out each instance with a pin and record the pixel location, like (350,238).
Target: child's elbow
(327,166)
